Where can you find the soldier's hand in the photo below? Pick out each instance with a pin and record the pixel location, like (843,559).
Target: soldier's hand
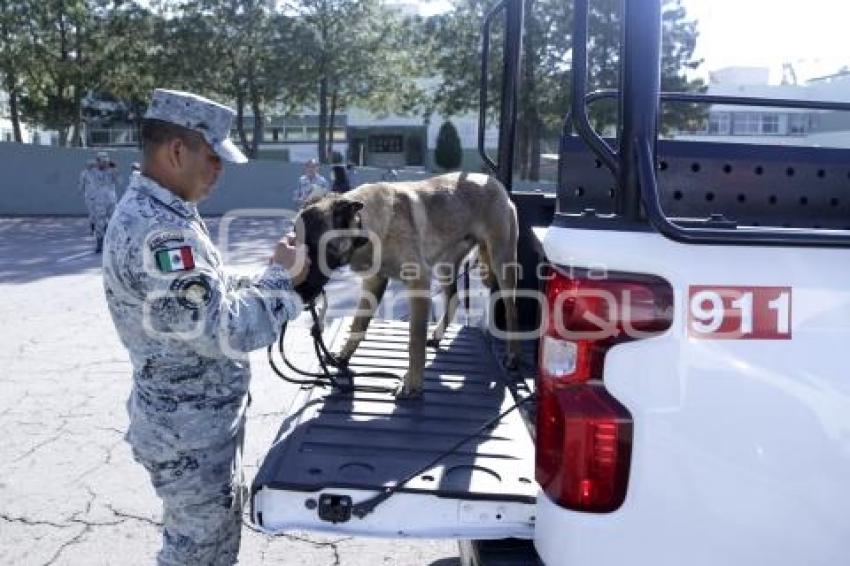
(292,256)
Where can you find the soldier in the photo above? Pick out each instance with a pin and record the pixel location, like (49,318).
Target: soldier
(85,189)
(189,325)
(103,181)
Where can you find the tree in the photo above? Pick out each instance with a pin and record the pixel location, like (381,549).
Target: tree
(11,56)
(545,72)
(254,55)
(448,154)
(350,47)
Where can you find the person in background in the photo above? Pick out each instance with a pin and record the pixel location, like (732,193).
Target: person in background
(85,187)
(311,184)
(104,182)
(340,183)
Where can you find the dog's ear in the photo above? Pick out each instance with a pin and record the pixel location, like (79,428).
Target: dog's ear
(345,212)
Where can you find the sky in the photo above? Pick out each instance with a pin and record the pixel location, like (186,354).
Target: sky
(812,35)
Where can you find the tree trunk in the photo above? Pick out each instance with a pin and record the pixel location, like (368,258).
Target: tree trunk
(534,148)
(256,108)
(323,119)
(14,112)
(240,119)
(78,86)
(330,153)
(61,84)
(530,135)
(521,161)
(76,131)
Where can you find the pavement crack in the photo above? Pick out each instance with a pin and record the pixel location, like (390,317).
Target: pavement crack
(110,450)
(60,432)
(131,517)
(336,554)
(31,522)
(332,544)
(79,536)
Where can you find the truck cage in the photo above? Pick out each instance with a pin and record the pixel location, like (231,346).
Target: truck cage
(690,192)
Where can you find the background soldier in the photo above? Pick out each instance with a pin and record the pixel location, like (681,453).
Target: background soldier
(103,181)
(85,188)
(189,325)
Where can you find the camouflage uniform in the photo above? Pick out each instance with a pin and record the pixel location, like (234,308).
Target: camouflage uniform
(84,189)
(188,325)
(102,184)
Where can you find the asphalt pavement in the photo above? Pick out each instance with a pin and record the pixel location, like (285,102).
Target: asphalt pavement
(70,492)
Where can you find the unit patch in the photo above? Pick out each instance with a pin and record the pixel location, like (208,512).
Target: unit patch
(157,240)
(193,292)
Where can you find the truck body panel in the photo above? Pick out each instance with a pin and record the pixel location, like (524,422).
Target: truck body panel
(740,449)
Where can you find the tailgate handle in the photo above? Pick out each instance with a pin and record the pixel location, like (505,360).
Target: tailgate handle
(335,508)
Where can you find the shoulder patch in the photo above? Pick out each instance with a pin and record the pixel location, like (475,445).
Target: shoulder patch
(158,239)
(193,292)
(175,259)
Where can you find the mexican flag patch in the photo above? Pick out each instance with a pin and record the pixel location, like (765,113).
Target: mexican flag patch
(175,259)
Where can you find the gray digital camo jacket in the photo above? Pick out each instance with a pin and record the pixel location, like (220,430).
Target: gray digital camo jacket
(187,324)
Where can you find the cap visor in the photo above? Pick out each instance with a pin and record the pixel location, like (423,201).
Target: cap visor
(228,151)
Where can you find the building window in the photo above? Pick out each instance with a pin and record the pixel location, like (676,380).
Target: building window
(746,124)
(291,133)
(798,124)
(339,134)
(770,123)
(385,144)
(718,123)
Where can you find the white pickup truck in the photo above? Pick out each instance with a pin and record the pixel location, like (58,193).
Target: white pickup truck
(683,400)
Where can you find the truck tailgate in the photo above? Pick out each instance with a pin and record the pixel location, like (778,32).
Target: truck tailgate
(341,445)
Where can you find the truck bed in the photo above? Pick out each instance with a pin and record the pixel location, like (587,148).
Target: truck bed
(354,444)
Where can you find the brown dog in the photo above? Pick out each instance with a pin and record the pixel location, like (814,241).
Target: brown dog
(419,228)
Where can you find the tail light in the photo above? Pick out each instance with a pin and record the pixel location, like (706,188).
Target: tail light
(584,435)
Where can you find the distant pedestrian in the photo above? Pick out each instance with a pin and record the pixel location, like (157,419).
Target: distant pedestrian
(340,183)
(311,184)
(85,188)
(104,181)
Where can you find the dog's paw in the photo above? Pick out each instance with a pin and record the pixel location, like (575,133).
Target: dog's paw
(406,393)
(345,354)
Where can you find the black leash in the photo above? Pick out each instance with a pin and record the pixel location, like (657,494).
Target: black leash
(327,377)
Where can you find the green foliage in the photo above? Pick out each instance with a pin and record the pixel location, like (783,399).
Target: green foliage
(261,55)
(354,52)
(454,41)
(448,154)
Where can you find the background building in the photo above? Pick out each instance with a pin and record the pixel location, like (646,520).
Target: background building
(777,126)
(29,133)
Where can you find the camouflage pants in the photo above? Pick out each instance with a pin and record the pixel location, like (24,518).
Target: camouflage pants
(201,492)
(101,213)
